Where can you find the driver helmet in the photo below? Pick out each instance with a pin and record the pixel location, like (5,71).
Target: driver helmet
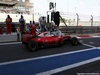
(55,28)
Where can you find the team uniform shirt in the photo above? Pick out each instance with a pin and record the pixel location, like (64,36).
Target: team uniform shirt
(22,21)
(8,20)
(9,25)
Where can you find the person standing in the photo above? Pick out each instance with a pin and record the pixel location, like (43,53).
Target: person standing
(33,29)
(22,24)
(30,25)
(1,32)
(9,24)
(57,19)
(33,22)
(42,22)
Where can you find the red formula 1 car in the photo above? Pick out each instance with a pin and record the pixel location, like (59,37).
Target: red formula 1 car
(47,39)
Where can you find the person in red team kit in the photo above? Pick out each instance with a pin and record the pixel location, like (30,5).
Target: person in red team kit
(9,24)
(33,27)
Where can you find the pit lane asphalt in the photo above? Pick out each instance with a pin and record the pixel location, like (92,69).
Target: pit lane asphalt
(18,51)
(87,69)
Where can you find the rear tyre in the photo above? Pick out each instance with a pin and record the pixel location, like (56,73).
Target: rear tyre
(32,46)
(74,41)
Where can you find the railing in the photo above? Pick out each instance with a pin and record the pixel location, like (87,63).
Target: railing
(80,29)
(80,23)
(76,19)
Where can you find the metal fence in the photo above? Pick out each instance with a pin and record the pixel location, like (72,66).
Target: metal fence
(80,29)
(76,19)
(80,23)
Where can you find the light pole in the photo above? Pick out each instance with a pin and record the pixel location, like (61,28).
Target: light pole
(92,23)
(77,18)
(68,10)
(99,14)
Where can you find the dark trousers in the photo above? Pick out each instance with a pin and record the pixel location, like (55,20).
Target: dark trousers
(43,28)
(22,28)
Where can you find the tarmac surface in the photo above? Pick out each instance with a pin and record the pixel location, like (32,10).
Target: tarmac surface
(9,37)
(17,60)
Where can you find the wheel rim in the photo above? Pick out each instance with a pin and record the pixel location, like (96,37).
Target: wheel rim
(75,41)
(32,46)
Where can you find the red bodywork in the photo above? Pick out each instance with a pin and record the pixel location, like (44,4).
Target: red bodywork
(50,39)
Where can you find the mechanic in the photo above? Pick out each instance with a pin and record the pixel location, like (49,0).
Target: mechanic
(38,30)
(42,22)
(32,27)
(33,22)
(22,24)
(52,26)
(56,31)
(28,27)
(9,24)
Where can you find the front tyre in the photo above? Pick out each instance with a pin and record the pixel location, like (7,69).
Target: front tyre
(74,41)
(32,46)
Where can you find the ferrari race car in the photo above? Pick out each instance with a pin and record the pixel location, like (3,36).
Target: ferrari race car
(46,39)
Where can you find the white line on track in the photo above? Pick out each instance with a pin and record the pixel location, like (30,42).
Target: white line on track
(88,37)
(98,48)
(95,36)
(68,67)
(10,43)
(43,57)
(88,45)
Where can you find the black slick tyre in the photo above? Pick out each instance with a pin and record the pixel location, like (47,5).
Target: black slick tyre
(32,46)
(74,41)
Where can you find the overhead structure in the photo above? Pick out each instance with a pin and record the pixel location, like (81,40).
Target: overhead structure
(16,4)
